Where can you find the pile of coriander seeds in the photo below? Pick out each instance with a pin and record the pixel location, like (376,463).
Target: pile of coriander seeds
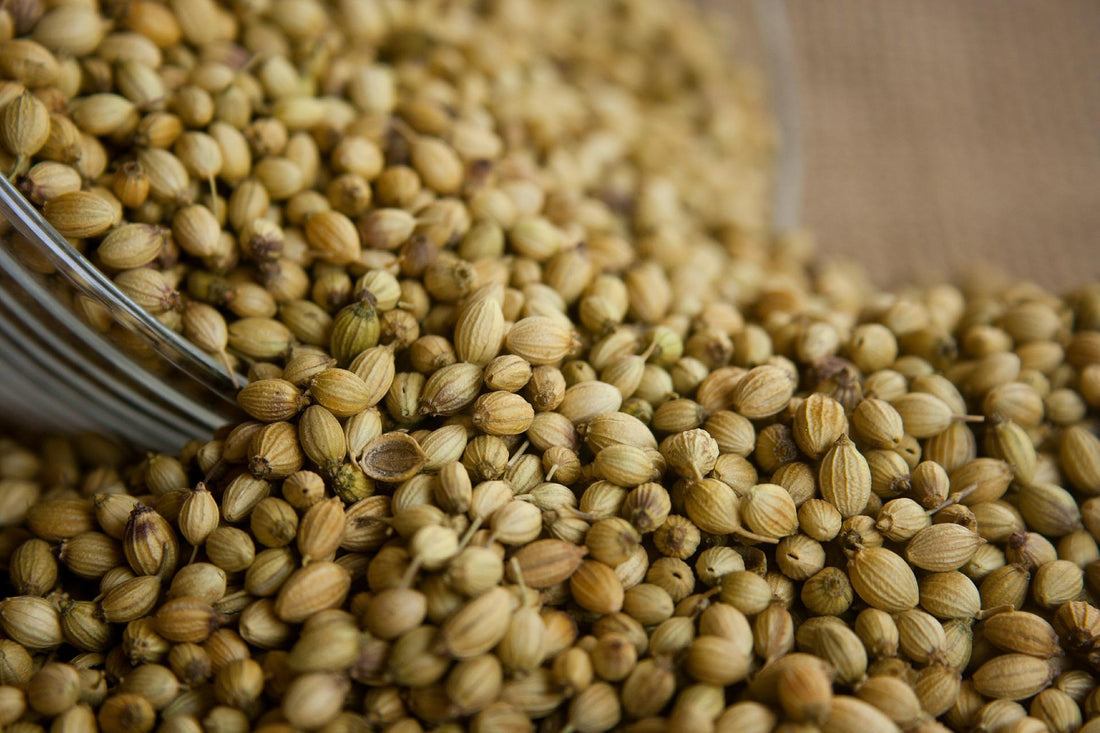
(545,432)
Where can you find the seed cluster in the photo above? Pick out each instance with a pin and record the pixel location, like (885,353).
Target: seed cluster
(732,546)
(335,173)
(545,433)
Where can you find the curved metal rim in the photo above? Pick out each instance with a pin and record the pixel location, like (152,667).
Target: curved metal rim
(86,278)
(106,393)
(783,83)
(773,26)
(102,348)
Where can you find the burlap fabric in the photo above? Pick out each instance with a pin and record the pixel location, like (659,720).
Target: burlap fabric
(940,135)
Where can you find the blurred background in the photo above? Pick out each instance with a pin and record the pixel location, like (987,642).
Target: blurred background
(943,135)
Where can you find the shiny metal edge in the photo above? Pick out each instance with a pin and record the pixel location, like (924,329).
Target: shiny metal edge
(104,350)
(86,278)
(121,406)
(783,85)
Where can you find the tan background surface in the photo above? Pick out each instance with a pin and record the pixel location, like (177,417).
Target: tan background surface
(939,134)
